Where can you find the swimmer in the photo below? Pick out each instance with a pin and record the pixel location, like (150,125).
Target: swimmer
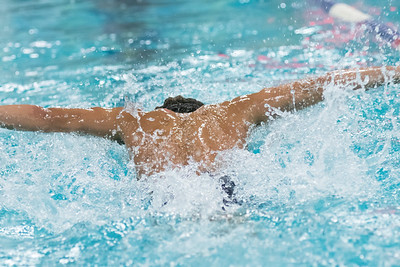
(184,130)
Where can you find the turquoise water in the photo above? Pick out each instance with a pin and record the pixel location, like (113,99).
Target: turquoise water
(318,187)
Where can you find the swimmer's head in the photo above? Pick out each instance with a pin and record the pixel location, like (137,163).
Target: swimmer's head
(180,104)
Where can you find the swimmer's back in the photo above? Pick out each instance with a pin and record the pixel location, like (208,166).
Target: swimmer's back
(162,138)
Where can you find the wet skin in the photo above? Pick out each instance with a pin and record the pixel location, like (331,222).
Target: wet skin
(162,139)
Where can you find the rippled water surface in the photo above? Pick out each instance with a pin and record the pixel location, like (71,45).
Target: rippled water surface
(316,187)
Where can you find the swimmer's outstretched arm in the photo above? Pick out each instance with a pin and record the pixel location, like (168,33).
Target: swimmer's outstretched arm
(95,121)
(269,102)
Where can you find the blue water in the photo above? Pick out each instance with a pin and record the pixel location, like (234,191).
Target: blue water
(318,187)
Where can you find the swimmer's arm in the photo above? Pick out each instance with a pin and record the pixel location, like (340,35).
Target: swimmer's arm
(269,102)
(95,121)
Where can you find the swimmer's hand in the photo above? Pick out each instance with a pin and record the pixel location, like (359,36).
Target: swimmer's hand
(96,121)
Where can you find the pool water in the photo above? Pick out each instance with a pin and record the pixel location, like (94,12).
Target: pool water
(316,187)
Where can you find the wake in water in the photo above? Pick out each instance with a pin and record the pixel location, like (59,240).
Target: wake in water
(335,162)
(296,158)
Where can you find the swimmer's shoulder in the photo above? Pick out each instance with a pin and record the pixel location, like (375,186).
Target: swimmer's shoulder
(155,119)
